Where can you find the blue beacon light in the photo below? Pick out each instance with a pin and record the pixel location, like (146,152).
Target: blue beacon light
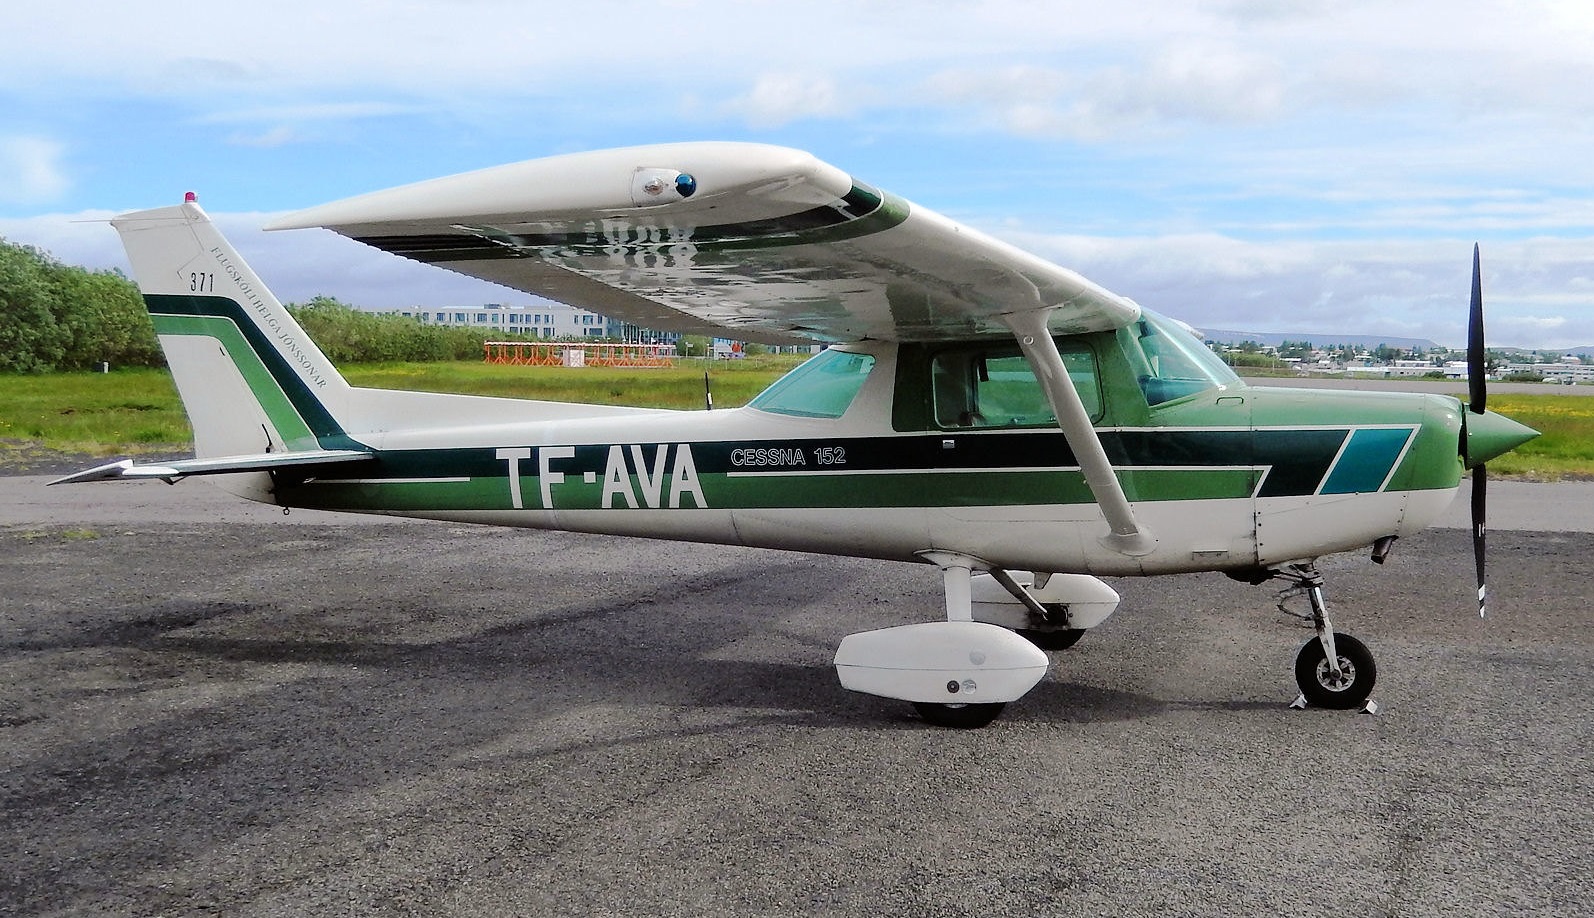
(685,185)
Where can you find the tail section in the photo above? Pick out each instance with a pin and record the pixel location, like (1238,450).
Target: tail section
(250,379)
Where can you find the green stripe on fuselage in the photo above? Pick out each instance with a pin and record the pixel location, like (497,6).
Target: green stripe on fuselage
(776,491)
(982,470)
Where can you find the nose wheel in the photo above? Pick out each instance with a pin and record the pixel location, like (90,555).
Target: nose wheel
(1341,687)
(1333,670)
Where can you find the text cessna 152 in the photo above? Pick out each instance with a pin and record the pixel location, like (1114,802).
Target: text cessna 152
(979,409)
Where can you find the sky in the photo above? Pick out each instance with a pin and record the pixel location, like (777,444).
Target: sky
(1256,165)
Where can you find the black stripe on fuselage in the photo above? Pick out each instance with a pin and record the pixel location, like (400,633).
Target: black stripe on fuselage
(1297,460)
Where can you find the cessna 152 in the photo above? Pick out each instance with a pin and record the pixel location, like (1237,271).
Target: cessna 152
(979,409)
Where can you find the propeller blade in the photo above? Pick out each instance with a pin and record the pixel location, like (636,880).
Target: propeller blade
(1477,403)
(1477,392)
(1480,485)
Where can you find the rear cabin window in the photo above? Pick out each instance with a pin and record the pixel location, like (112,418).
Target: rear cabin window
(823,387)
(982,386)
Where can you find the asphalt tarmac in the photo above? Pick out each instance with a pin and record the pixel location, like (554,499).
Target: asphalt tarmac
(209,708)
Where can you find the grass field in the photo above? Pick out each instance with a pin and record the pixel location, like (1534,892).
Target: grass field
(1565,447)
(734,382)
(126,411)
(132,412)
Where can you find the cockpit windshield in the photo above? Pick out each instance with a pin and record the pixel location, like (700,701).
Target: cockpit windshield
(822,387)
(1170,360)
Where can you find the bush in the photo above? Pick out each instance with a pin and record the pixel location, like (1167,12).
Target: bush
(58,317)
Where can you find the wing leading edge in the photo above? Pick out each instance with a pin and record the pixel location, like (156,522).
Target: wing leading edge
(755,242)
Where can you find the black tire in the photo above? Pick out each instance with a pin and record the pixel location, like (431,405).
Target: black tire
(959,716)
(1055,639)
(1355,663)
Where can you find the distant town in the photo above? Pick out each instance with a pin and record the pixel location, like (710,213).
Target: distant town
(1371,357)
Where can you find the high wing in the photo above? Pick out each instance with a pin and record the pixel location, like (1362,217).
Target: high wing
(757,242)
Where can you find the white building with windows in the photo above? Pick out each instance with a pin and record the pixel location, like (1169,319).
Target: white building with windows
(549,320)
(545,319)
(1569,370)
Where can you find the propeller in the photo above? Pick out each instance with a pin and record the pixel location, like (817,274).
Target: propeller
(1477,404)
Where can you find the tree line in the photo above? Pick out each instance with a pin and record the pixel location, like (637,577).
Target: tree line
(59,317)
(55,316)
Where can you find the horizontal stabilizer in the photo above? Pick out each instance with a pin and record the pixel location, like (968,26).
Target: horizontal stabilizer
(127,469)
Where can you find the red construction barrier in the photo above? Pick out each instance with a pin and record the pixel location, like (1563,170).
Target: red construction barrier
(575,353)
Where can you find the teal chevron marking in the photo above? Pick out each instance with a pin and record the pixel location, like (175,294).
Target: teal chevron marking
(1365,463)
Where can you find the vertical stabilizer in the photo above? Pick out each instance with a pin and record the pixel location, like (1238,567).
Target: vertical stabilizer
(250,378)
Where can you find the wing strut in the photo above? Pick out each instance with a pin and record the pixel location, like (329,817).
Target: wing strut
(1035,339)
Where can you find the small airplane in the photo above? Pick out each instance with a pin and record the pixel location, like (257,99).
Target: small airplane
(978,408)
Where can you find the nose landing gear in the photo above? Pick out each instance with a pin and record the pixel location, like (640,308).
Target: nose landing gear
(1333,670)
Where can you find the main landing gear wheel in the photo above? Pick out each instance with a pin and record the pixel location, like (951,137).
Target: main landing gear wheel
(1317,681)
(958,716)
(1052,639)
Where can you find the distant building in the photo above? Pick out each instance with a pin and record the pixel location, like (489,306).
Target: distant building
(549,320)
(1562,372)
(542,320)
(1414,368)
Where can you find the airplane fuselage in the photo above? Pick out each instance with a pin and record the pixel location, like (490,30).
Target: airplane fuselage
(1228,477)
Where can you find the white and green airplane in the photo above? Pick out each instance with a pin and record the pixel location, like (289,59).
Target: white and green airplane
(979,409)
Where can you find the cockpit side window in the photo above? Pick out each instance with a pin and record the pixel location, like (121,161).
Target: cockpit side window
(1171,361)
(992,385)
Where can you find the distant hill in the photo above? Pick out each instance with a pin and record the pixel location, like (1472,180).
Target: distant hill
(1316,339)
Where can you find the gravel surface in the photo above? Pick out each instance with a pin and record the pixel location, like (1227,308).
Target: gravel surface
(222,710)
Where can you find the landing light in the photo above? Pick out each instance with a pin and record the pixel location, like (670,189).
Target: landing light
(651,186)
(684,185)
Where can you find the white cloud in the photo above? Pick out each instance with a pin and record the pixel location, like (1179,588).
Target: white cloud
(1390,286)
(323,111)
(777,99)
(1538,323)
(279,136)
(1184,83)
(1069,70)
(1227,158)
(31,170)
(280,125)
